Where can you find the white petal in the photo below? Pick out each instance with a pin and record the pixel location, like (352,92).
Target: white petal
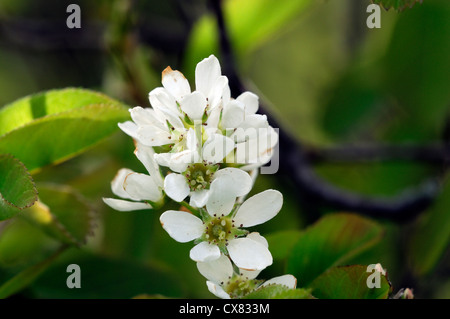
(242,181)
(141,187)
(181,226)
(145,154)
(222,196)
(175,83)
(199,198)
(249,274)
(217,290)
(214,117)
(258,148)
(161,99)
(206,73)
(257,237)
(163,159)
(285,280)
(152,136)
(250,101)
(255,121)
(233,115)
(124,205)
(192,143)
(217,91)
(259,208)
(180,161)
(129,128)
(218,271)
(249,254)
(216,148)
(204,252)
(176,187)
(117,183)
(146,116)
(172,117)
(194,105)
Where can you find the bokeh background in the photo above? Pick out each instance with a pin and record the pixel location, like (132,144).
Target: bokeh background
(320,71)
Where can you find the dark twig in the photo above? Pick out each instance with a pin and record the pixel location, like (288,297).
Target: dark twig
(433,154)
(295,160)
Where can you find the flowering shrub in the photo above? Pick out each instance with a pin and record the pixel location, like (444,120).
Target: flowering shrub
(197,133)
(197,210)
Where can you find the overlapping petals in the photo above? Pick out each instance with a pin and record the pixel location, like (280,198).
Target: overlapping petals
(222,231)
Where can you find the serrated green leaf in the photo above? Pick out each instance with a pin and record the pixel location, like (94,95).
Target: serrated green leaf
(396,4)
(349,282)
(278,292)
(331,241)
(56,137)
(62,213)
(17,190)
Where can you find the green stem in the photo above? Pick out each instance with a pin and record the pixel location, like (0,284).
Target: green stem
(193,210)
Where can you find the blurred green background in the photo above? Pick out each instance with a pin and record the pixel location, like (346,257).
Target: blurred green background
(326,77)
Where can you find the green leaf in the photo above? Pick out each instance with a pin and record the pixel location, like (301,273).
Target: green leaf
(62,213)
(350,282)
(62,125)
(108,278)
(30,108)
(331,241)
(17,190)
(278,292)
(396,4)
(26,277)
(418,86)
(282,242)
(431,235)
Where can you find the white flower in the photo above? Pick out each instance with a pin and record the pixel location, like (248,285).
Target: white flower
(196,170)
(225,283)
(138,190)
(220,230)
(176,108)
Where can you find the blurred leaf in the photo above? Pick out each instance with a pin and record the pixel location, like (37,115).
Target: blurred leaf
(396,4)
(282,242)
(430,238)
(417,75)
(278,292)
(62,213)
(331,241)
(17,189)
(26,277)
(54,126)
(349,282)
(353,102)
(249,24)
(104,277)
(23,245)
(28,109)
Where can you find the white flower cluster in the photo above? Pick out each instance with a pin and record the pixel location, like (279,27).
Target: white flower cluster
(209,147)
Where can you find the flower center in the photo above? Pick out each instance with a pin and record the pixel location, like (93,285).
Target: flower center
(218,230)
(200,175)
(239,286)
